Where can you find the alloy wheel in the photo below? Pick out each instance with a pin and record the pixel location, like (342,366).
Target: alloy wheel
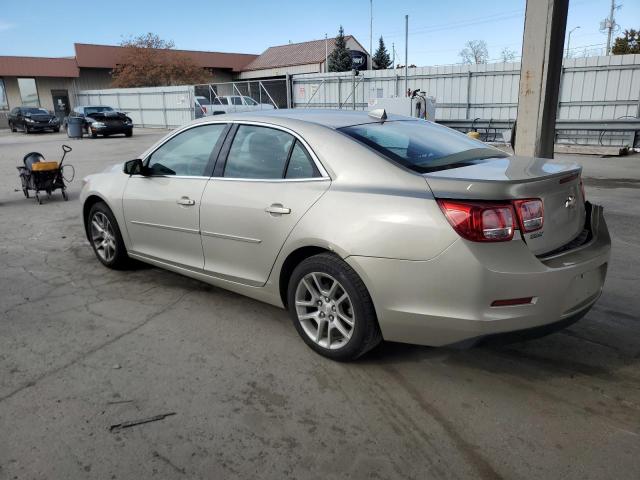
(324,310)
(103,237)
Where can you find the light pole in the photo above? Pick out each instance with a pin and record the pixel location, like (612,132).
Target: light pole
(569,40)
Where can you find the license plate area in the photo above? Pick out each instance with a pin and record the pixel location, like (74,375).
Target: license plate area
(584,288)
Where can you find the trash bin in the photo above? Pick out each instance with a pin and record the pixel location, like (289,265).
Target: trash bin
(75,127)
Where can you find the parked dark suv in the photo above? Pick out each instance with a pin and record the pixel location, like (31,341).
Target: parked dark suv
(102,120)
(32,119)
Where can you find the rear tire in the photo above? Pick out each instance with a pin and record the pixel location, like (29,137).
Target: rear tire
(128,133)
(105,237)
(346,332)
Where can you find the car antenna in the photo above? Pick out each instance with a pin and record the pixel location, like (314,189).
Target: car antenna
(379,114)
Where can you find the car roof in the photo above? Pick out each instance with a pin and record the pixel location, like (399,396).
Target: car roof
(326,117)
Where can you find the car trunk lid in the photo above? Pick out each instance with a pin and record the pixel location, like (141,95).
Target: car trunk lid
(556,183)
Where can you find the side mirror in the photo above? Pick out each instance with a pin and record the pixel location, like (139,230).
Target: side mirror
(133,167)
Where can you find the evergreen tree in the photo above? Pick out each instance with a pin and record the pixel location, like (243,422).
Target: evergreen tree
(629,42)
(381,58)
(340,58)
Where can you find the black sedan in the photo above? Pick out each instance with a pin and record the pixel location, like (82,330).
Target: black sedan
(102,120)
(32,119)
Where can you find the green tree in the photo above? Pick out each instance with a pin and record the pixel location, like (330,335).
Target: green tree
(629,42)
(340,58)
(381,58)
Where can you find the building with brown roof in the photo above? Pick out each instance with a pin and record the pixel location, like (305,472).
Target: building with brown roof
(51,83)
(304,57)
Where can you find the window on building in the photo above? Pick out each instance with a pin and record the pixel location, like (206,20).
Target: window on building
(4,105)
(28,92)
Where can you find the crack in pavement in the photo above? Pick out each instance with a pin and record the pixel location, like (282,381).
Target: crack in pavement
(91,351)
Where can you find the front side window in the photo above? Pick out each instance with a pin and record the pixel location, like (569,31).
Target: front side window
(4,105)
(422,146)
(250,101)
(236,100)
(28,92)
(258,152)
(187,153)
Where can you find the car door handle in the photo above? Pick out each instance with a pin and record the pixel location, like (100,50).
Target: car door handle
(186,201)
(277,209)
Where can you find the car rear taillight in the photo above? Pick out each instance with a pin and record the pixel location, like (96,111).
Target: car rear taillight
(480,221)
(531,214)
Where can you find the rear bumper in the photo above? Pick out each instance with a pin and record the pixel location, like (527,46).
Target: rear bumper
(447,299)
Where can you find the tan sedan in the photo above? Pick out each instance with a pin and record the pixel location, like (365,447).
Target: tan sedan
(364,227)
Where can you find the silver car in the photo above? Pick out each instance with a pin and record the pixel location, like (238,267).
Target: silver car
(364,227)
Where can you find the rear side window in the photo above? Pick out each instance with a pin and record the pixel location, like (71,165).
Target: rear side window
(421,146)
(300,164)
(258,152)
(187,153)
(236,100)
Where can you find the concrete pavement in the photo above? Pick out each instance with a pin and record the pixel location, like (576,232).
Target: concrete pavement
(83,348)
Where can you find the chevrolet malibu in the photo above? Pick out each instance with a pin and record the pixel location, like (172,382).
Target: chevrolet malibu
(365,227)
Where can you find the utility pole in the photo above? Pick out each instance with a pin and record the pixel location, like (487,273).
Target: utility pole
(609,24)
(393,52)
(569,40)
(406,54)
(326,53)
(371,31)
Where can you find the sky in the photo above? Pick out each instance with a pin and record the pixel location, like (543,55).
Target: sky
(438,29)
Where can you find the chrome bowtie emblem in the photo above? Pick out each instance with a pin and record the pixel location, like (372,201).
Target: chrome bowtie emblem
(570,202)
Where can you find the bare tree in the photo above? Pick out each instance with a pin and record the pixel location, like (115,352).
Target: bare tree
(149,61)
(475,51)
(507,55)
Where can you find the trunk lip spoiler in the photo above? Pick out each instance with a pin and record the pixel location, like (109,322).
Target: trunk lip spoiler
(565,173)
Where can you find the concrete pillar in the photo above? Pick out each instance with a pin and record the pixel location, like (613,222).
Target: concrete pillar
(542,49)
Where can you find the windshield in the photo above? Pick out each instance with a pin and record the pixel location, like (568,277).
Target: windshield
(90,110)
(31,111)
(422,146)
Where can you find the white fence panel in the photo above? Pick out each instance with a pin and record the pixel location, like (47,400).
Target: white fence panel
(594,88)
(152,107)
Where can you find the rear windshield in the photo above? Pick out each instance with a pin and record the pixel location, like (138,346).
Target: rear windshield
(422,146)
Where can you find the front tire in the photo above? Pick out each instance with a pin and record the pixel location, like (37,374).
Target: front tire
(12,127)
(331,308)
(105,237)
